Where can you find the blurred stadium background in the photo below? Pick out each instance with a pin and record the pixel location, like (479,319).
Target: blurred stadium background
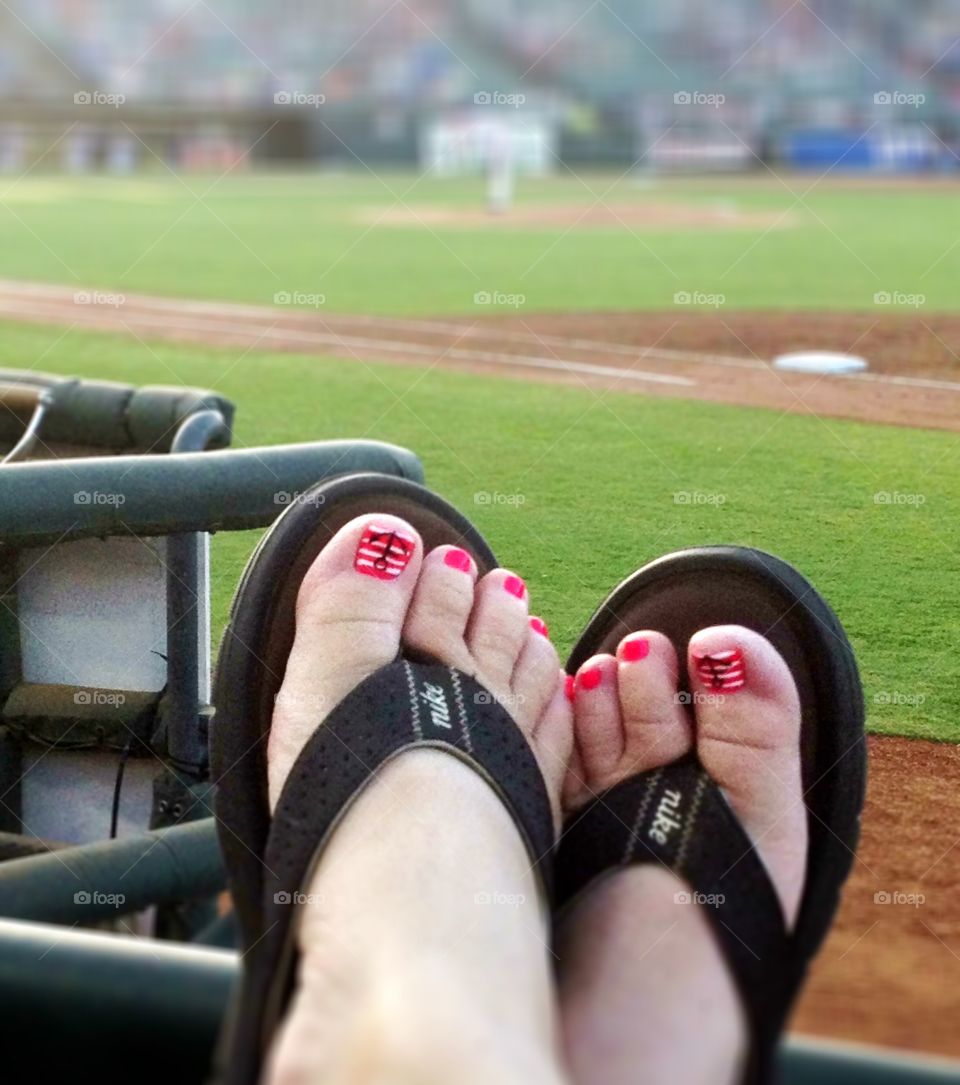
(282,202)
(876,82)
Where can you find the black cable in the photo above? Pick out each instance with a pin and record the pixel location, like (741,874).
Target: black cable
(121,765)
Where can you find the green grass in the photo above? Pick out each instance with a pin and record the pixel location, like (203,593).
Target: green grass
(250,237)
(596,477)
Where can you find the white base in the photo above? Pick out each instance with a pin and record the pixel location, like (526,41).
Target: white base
(820,361)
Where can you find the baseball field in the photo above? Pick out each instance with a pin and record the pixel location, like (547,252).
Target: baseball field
(588,378)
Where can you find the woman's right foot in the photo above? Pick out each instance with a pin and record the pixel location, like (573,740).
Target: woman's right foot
(646,994)
(422,936)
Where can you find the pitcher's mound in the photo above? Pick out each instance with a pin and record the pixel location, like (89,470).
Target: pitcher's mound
(618,216)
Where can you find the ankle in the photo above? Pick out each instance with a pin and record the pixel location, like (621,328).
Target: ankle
(638,939)
(416,1024)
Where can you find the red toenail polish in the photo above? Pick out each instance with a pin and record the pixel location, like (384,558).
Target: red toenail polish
(634,650)
(538,625)
(457,559)
(384,552)
(570,686)
(590,679)
(723,672)
(515,586)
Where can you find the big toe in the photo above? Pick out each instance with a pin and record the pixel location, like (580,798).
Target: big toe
(350,612)
(748,740)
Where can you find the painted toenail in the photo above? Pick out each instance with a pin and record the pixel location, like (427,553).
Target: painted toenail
(634,650)
(515,586)
(384,552)
(590,679)
(722,671)
(538,625)
(570,686)
(458,559)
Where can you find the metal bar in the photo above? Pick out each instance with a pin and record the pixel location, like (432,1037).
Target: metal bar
(24,446)
(230,490)
(811,1062)
(108,1008)
(91,883)
(186,746)
(20,846)
(114,1003)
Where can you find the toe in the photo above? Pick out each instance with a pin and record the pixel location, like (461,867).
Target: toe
(598,728)
(498,628)
(350,611)
(553,742)
(657,726)
(748,739)
(536,674)
(442,601)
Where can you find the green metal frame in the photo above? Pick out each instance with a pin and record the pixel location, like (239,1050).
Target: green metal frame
(232,490)
(103,1007)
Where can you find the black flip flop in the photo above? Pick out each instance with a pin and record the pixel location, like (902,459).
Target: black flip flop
(677,815)
(404,705)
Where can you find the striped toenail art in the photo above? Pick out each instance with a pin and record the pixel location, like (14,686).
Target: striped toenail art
(384,552)
(722,671)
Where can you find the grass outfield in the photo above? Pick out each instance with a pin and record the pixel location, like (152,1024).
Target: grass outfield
(249,237)
(592,480)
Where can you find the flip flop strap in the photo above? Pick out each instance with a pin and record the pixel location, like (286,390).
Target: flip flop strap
(404,706)
(401,707)
(677,816)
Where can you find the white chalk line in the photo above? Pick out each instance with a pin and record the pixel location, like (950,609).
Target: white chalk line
(90,318)
(225,309)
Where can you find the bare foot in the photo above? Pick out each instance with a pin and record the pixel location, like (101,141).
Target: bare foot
(423,939)
(639,962)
